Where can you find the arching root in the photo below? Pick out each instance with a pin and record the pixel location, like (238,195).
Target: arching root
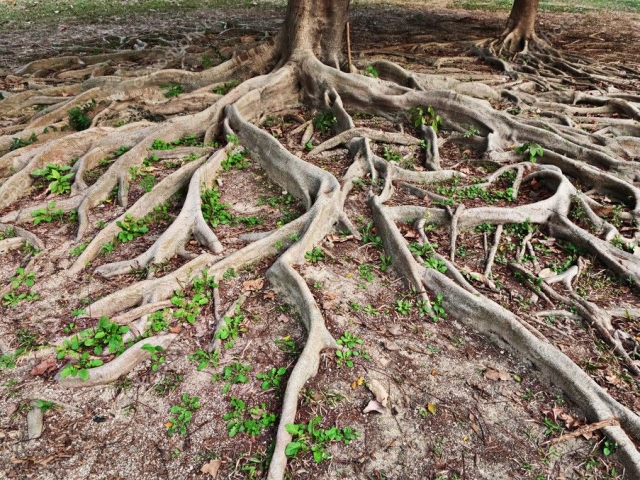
(121,365)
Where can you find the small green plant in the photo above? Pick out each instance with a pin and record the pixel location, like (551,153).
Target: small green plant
(81,367)
(349,342)
(287,345)
(385,262)
(425,116)
(324,121)
(307,437)
(422,249)
(107,248)
(391,155)
(272,378)
(21,277)
(78,249)
(371,71)
(434,308)
(369,236)
(106,335)
(79,116)
(45,405)
(531,151)
(366,272)
(131,228)
(47,214)
(182,414)
(205,359)
(19,143)
(472,131)
(551,427)
(230,329)
(60,181)
(609,447)
(436,264)
(236,160)
(157,358)
(229,274)
(250,421)
(226,87)
(18,281)
(485,227)
(213,211)
(403,307)
(172,90)
(314,256)
(232,374)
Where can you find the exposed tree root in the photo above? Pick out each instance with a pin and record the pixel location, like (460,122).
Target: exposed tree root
(573,161)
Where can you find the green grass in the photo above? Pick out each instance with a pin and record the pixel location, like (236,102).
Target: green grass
(57,10)
(569,6)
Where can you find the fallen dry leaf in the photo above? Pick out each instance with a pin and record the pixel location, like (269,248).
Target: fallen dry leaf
(391,345)
(374,406)
(270,295)
(283,318)
(379,392)
(256,284)
(175,329)
(330,296)
(495,375)
(47,365)
(432,408)
(338,239)
(395,329)
(212,467)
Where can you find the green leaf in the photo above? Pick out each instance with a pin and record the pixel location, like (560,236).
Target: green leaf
(293,448)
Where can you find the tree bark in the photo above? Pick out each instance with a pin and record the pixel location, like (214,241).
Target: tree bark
(316,27)
(520,27)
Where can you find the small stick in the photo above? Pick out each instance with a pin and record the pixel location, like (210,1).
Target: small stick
(348,47)
(609,422)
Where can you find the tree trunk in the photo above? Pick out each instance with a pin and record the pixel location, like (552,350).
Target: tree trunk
(316,27)
(521,25)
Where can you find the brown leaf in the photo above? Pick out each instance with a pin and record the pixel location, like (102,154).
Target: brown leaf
(495,375)
(374,406)
(379,391)
(270,295)
(175,329)
(47,365)
(283,318)
(338,239)
(411,234)
(212,467)
(330,296)
(395,329)
(475,428)
(391,345)
(256,284)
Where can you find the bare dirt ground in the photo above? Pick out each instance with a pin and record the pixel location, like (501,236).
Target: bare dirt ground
(459,406)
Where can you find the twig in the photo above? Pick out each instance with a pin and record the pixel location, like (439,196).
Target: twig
(609,422)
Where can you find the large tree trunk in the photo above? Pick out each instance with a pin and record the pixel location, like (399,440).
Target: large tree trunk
(520,27)
(314,26)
